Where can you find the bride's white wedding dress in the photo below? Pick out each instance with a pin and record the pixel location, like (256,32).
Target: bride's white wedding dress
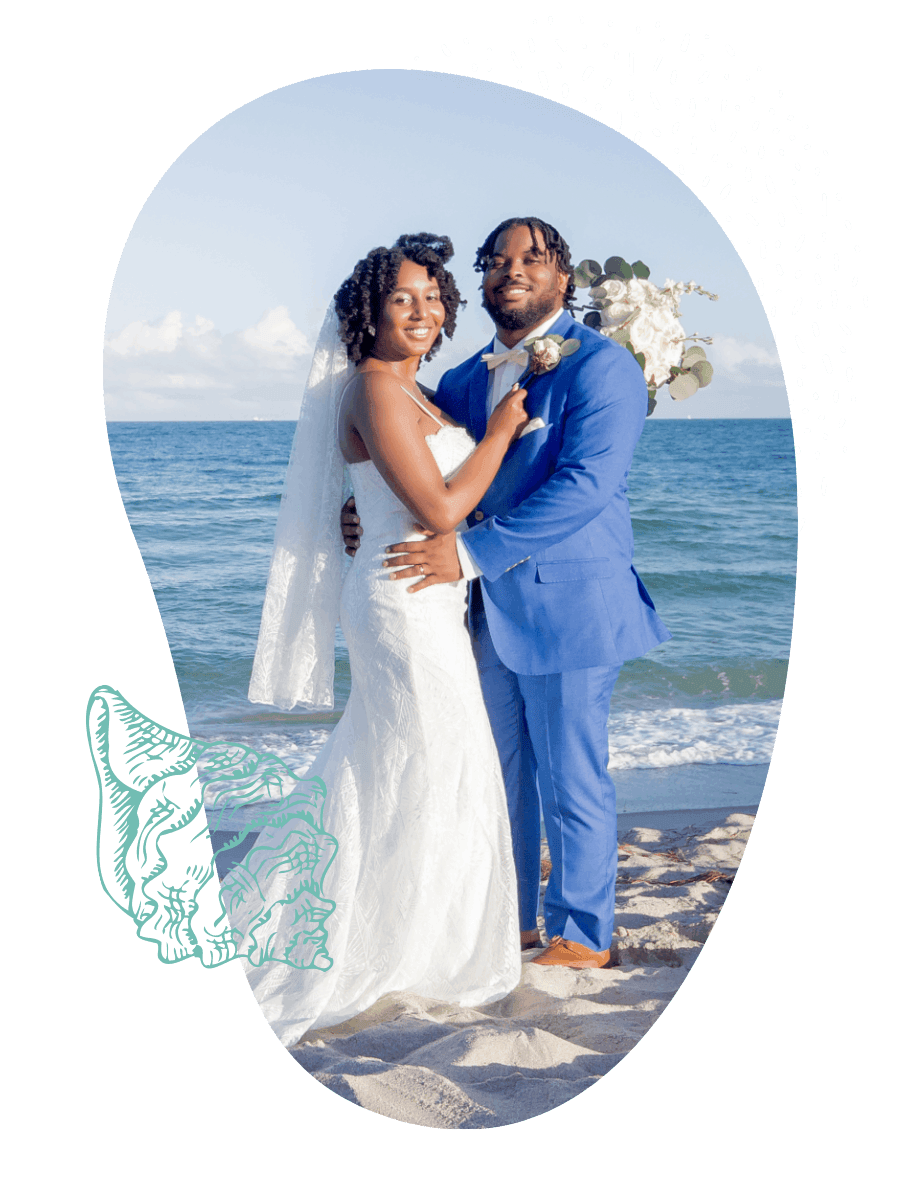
(423,881)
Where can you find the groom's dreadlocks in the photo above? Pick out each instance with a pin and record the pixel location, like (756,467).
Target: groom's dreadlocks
(358,299)
(556,245)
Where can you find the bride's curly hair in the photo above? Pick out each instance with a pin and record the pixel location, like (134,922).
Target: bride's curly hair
(358,299)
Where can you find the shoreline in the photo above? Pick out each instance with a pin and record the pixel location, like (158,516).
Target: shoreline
(680,820)
(690,787)
(644,798)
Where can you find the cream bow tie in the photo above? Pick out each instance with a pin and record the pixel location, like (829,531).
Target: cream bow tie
(521,357)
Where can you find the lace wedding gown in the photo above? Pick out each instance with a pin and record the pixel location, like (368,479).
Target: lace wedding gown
(423,881)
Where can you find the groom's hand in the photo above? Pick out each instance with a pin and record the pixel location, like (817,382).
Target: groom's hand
(351,530)
(433,561)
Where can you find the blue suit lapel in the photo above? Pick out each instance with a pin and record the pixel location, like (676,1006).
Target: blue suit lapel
(519,457)
(479,386)
(480,383)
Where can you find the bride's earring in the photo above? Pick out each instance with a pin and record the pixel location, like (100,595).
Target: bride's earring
(370,331)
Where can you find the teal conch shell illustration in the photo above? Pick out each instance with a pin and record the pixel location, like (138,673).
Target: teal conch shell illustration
(154,851)
(287,814)
(160,793)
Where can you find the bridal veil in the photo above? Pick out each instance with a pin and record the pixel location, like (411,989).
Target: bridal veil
(294,662)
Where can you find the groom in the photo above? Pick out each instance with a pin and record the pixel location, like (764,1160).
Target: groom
(556,606)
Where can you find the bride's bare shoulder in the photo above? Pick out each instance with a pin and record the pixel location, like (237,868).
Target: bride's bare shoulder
(375,390)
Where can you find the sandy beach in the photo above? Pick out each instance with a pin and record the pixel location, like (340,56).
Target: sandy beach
(560,1030)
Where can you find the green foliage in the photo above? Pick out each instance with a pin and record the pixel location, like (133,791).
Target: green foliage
(618,267)
(569,346)
(592,319)
(703,372)
(588,273)
(691,356)
(683,386)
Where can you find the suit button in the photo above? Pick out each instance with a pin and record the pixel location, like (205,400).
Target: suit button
(479,515)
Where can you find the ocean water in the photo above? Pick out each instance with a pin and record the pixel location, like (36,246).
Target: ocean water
(714,511)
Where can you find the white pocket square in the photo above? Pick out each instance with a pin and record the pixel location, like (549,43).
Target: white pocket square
(533,424)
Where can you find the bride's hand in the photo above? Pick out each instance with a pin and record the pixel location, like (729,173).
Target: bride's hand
(509,417)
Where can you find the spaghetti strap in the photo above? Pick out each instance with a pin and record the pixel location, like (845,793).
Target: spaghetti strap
(441,423)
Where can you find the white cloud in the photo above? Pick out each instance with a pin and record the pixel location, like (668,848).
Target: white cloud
(276,333)
(142,337)
(746,362)
(169,369)
(177,369)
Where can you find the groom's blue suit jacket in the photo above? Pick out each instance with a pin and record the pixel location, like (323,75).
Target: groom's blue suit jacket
(552,535)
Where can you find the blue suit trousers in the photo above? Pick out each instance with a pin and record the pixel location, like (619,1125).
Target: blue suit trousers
(552,740)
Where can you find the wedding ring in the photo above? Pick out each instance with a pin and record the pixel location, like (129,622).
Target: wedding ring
(421,568)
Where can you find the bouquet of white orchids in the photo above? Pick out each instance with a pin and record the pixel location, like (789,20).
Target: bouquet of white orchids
(643,318)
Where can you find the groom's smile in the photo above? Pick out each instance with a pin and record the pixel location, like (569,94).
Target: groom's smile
(511,291)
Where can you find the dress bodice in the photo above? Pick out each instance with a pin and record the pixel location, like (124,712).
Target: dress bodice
(383,516)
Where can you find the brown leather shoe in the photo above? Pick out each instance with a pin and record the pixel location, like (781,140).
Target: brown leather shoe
(563,953)
(531,939)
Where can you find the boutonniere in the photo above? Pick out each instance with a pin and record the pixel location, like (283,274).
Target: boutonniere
(545,354)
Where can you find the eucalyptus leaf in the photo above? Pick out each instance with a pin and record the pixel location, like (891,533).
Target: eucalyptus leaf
(589,270)
(641,270)
(641,359)
(592,319)
(598,294)
(683,387)
(694,354)
(703,371)
(619,267)
(554,337)
(569,346)
(651,403)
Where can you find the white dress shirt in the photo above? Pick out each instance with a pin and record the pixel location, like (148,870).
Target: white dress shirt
(503,378)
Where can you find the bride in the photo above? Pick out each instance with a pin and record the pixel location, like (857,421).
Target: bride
(422,880)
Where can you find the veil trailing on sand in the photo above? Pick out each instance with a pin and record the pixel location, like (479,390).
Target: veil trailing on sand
(294,662)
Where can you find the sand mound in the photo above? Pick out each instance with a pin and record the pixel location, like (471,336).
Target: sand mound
(441,1065)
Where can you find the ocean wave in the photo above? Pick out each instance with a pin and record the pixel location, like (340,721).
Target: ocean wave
(673,737)
(639,739)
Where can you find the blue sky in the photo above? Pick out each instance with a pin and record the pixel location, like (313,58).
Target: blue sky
(232,260)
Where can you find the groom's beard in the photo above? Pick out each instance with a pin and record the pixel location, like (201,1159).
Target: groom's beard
(537,310)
